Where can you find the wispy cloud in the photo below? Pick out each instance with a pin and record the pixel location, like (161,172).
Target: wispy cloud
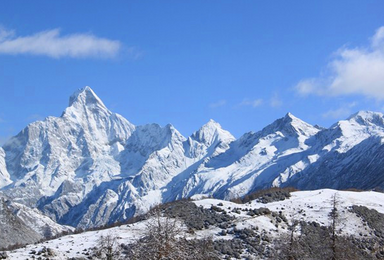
(275,101)
(6,133)
(52,44)
(135,53)
(219,103)
(35,117)
(351,71)
(252,103)
(341,112)
(4,139)
(4,33)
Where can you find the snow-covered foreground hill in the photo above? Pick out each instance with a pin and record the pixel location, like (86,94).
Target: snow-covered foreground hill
(240,223)
(91,167)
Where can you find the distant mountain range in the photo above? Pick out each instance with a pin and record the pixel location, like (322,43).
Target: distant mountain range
(91,167)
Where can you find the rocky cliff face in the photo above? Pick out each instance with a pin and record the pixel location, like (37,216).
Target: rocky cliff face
(22,225)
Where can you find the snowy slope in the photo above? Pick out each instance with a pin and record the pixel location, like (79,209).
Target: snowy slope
(309,206)
(4,175)
(168,158)
(253,161)
(348,154)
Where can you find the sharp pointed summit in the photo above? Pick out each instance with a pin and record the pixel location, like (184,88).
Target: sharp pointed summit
(290,115)
(88,132)
(290,118)
(86,97)
(210,126)
(211,132)
(289,124)
(87,109)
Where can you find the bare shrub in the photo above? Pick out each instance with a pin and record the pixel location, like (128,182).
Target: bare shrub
(108,248)
(164,239)
(161,240)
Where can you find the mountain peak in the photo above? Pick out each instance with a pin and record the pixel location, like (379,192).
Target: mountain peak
(365,114)
(367,118)
(290,115)
(209,128)
(85,97)
(291,125)
(211,131)
(211,123)
(288,120)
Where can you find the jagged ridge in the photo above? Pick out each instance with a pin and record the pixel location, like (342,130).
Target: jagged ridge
(91,167)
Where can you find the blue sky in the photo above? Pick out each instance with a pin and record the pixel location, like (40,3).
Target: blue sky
(241,63)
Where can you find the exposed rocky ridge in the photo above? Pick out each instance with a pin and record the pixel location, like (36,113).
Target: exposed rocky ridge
(22,225)
(90,167)
(13,230)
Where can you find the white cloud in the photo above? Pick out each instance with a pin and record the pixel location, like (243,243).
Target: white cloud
(3,140)
(252,103)
(378,38)
(50,43)
(4,33)
(219,103)
(35,117)
(341,112)
(352,71)
(276,101)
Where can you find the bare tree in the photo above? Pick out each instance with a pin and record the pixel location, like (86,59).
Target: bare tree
(164,239)
(47,232)
(108,248)
(287,246)
(341,246)
(334,218)
(293,244)
(161,241)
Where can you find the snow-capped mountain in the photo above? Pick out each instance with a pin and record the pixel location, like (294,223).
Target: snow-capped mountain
(253,161)
(91,167)
(81,145)
(348,154)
